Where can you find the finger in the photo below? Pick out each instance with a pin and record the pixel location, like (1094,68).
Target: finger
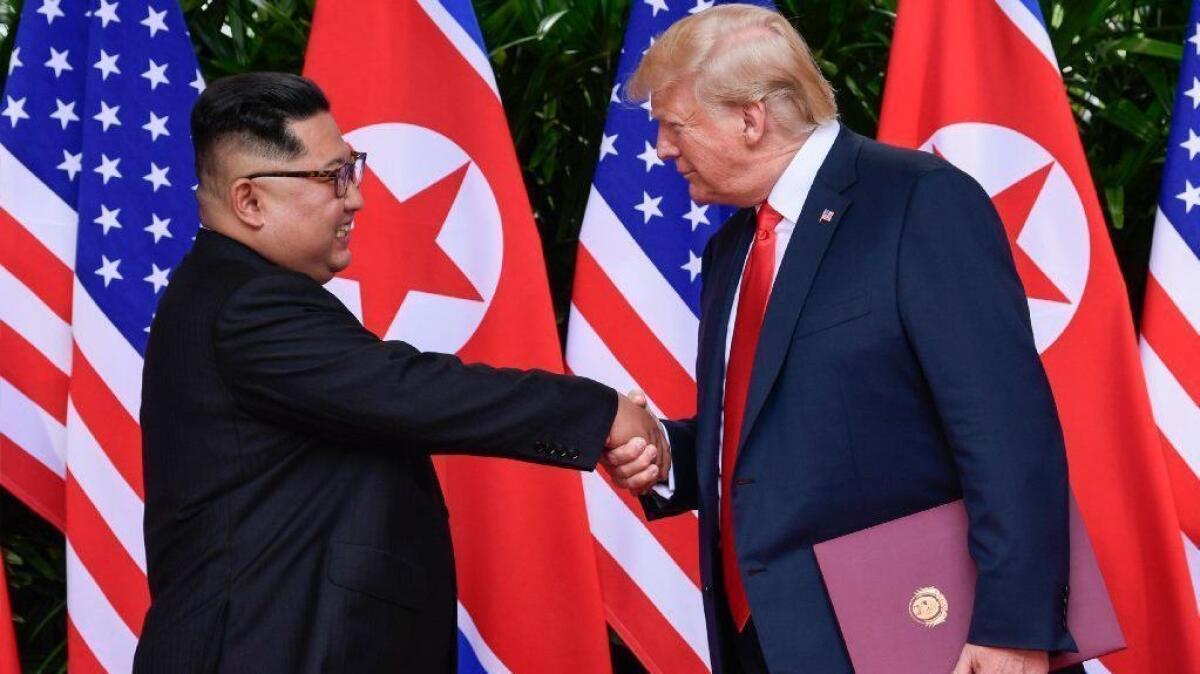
(625,453)
(639,464)
(655,437)
(638,397)
(664,459)
(964,663)
(642,482)
(604,460)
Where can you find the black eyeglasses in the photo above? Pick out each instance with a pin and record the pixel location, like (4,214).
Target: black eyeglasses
(341,176)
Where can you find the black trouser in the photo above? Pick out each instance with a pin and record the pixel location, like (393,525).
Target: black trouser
(743,654)
(747,652)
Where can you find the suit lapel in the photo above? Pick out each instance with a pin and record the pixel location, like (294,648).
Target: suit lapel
(823,210)
(725,277)
(710,371)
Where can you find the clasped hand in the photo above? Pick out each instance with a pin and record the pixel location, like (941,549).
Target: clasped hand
(638,454)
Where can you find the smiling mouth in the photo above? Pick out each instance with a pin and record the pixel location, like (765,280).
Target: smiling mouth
(342,233)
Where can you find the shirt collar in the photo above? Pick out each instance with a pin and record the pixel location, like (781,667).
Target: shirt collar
(791,190)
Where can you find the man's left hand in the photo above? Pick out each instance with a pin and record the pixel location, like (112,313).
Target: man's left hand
(987,660)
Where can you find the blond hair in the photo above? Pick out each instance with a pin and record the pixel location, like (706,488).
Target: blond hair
(738,54)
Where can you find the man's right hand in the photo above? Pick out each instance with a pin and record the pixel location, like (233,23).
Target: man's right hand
(638,455)
(633,421)
(633,466)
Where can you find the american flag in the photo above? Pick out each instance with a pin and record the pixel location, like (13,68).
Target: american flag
(1170,343)
(96,209)
(633,323)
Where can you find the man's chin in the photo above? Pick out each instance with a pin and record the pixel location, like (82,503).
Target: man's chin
(700,195)
(339,263)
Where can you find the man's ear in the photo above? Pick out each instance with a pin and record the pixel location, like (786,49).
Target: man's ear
(754,120)
(245,201)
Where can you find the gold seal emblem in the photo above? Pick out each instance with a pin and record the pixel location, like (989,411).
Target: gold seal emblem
(929,607)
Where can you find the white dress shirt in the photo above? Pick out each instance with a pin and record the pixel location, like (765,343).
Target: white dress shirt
(787,197)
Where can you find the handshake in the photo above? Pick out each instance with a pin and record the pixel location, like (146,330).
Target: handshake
(637,452)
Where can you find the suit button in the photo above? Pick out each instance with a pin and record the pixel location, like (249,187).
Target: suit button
(707,589)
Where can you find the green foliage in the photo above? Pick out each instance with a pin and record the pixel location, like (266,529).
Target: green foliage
(32,552)
(1120,60)
(555,62)
(9,11)
(236,36)
(850,40)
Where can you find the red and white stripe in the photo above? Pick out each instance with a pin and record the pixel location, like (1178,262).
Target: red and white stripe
(70,445)
(1170,348)
(630,329)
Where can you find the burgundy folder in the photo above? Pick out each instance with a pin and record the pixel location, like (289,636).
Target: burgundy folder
(903,592)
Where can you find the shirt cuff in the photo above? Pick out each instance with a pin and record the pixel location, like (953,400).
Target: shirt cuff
(666,489)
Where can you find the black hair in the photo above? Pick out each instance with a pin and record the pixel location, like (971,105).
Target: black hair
(253,109)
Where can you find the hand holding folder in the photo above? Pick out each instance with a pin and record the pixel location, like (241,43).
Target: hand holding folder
(903,593)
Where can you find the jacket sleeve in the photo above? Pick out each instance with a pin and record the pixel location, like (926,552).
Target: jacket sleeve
(292,354)
(681,434)
(965,314)
(685,497)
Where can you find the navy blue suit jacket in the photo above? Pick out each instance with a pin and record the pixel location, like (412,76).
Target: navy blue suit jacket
(896,371)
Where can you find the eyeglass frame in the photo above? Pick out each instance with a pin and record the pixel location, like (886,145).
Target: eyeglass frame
(346,168)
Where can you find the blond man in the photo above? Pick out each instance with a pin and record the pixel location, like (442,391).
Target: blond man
(865,352)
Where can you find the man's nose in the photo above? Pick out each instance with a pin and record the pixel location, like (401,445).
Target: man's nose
(354,197)
(665,148)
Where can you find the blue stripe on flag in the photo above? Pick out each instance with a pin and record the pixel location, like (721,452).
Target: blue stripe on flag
(468,663)
(1035,9)
(464,14)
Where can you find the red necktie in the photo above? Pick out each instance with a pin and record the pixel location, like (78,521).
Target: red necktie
(752,304)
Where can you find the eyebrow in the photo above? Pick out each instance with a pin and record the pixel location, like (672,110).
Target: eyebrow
(336,161)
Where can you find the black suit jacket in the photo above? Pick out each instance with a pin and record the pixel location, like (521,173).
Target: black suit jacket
(895,371)
(293,518)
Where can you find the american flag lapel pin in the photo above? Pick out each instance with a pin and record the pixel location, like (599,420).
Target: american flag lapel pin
(827,215)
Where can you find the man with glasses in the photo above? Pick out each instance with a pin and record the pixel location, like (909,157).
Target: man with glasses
(293,518)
